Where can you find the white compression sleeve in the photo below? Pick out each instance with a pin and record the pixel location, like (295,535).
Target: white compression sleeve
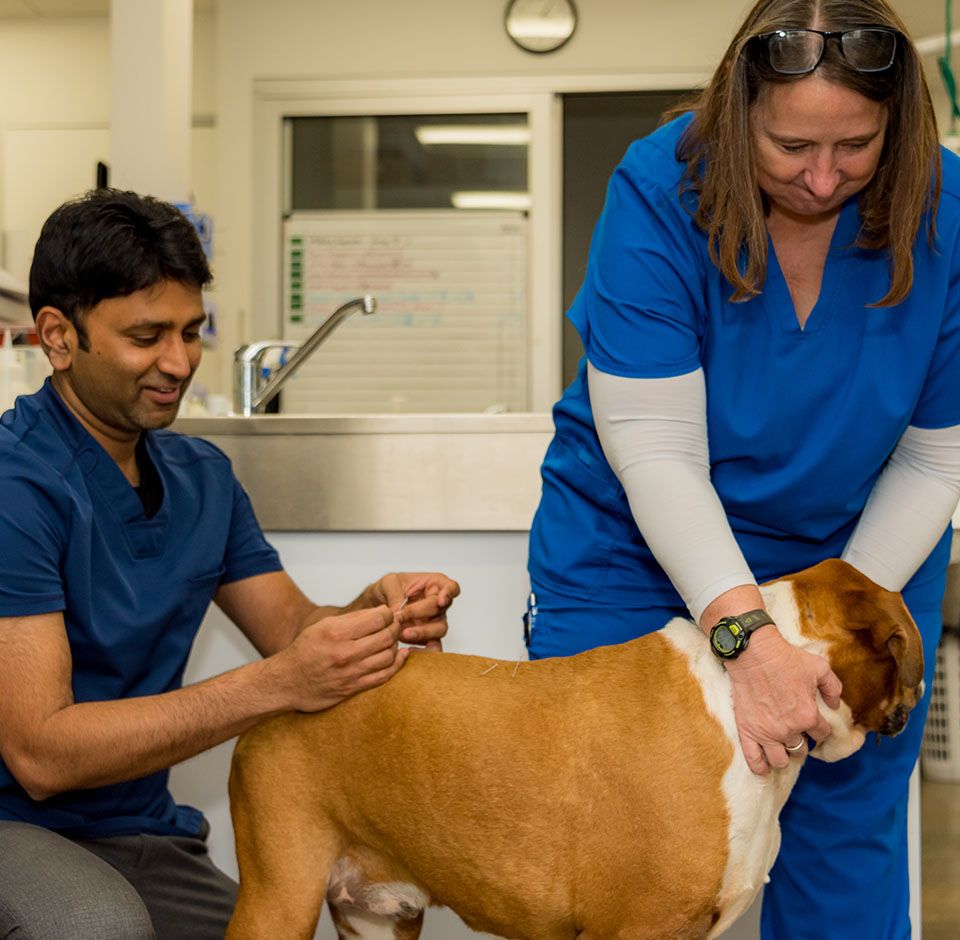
(909,507)
(654,436)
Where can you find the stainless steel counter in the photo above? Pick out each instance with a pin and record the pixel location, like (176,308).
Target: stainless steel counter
(414,472)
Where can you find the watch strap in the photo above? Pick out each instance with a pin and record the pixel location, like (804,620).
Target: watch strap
(754,620)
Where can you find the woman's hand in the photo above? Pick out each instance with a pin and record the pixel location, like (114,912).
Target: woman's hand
(775,687)
(419,602)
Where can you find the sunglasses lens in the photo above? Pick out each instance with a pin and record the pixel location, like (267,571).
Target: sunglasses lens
(794,51)
(869,50)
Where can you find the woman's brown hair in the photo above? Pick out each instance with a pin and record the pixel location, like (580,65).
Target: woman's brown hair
(717,145)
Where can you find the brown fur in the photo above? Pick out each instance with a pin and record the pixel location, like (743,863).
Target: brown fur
(569,798)
(845,609)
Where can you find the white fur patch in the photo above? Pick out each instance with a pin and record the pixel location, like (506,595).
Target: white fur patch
(395,899)
(388,899)
(753,803)
(779,602)
(844,739)
(367,926)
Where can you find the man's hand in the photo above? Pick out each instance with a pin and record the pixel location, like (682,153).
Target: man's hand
(775,687)
(339,656)
(419,602)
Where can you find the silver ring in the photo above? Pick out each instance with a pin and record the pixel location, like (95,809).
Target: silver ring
(796,747)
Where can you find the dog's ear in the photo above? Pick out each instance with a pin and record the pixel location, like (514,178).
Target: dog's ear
(892,629)
(900,637)
(834,599)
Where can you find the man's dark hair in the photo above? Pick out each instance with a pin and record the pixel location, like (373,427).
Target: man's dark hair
(111,243)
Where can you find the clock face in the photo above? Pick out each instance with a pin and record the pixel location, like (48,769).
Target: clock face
(540,25)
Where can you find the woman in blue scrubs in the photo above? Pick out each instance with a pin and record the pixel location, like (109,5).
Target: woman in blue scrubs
(771,318)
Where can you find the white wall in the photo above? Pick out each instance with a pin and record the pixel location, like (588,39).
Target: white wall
(55,110)
(55,122)
(55,103)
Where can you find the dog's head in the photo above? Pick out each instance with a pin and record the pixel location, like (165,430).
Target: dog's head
(872,644)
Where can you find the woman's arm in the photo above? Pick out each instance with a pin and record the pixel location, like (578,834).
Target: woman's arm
(654,436)
(909,507)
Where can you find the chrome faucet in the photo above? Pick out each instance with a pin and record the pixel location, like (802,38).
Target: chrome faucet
(249,397)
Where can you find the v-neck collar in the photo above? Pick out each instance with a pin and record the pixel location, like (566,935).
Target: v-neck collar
(777,293)
(144,536)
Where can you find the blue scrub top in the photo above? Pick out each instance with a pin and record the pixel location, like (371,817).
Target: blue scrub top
(133,590)
(800,421)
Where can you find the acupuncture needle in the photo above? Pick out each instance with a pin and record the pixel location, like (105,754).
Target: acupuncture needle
(416,589)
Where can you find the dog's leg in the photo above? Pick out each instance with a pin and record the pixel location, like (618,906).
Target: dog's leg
(285,854)
(282,887)
(353,923)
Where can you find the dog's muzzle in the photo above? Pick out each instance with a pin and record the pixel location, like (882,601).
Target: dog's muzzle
(895,722)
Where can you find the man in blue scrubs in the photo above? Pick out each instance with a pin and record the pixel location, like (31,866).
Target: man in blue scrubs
(116,534)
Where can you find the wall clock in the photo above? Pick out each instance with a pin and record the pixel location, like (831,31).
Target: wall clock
(540,25)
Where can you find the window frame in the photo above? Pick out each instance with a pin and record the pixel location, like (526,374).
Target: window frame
(539,97)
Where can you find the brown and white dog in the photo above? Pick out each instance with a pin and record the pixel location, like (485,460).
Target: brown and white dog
(600,797)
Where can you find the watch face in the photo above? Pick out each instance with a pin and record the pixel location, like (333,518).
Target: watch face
(723,639)
(540,25)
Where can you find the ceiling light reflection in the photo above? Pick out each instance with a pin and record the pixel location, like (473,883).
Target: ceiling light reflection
(491,199)
(516,135)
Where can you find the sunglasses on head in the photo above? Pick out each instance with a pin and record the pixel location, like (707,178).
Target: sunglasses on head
(798,51)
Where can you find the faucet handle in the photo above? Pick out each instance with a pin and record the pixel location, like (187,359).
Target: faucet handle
(248,378)
(253,352)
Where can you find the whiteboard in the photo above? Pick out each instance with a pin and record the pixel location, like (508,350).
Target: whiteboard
(450,331)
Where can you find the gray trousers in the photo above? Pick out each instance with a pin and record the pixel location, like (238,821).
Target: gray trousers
(140,887)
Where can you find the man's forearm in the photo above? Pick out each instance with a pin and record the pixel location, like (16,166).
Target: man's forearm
(92,744)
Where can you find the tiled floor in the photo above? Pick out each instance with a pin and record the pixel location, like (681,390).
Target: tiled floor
(940,862)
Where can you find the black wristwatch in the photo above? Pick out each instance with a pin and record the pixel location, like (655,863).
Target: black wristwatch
(729,638)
